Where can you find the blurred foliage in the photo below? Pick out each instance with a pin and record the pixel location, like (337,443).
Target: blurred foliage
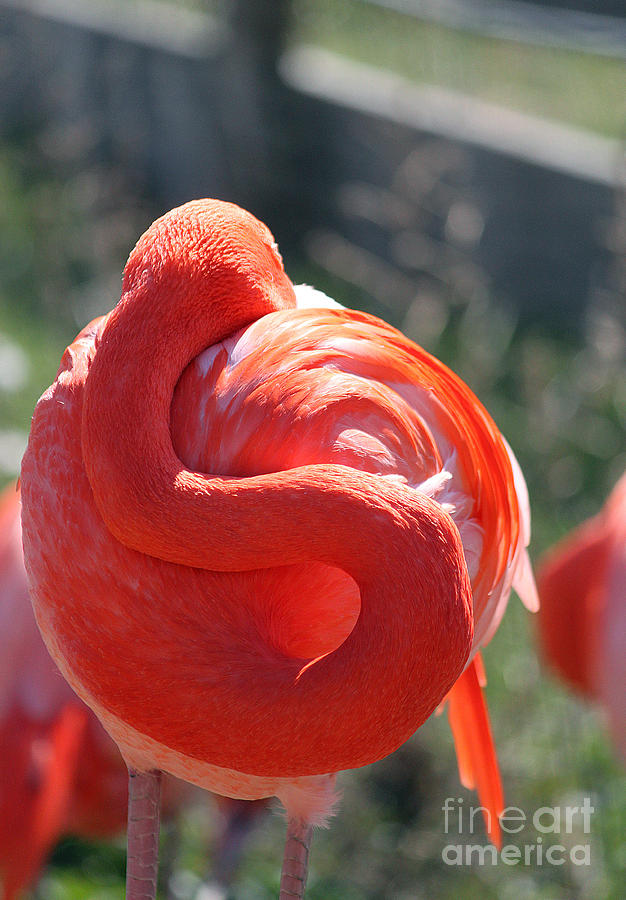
(65,231)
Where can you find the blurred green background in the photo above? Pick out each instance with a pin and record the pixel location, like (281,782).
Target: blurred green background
(67,223)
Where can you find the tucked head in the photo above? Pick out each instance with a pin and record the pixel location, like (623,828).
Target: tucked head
(214,252)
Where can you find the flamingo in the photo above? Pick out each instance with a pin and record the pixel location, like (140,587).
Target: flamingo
(265,536)
(582,623)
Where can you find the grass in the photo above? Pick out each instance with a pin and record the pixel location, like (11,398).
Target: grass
(581,89)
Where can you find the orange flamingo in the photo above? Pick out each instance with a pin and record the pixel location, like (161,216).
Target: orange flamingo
(582,624)
(304,607)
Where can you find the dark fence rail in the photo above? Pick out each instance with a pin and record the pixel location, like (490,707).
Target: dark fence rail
(400,191)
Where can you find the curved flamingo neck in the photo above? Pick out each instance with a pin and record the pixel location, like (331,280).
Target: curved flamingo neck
(197,275)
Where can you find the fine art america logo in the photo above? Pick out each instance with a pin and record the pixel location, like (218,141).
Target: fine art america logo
(542,849)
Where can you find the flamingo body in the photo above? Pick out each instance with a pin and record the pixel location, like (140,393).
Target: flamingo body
(582,623)
(304,607)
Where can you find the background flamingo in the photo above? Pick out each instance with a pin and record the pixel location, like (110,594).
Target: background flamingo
(307,607)
(582,623)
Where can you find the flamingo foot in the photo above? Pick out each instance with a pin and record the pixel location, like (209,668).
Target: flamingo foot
(142,864)
(296,859)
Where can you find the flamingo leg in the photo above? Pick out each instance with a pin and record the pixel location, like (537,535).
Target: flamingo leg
(142,864)
(296,859)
